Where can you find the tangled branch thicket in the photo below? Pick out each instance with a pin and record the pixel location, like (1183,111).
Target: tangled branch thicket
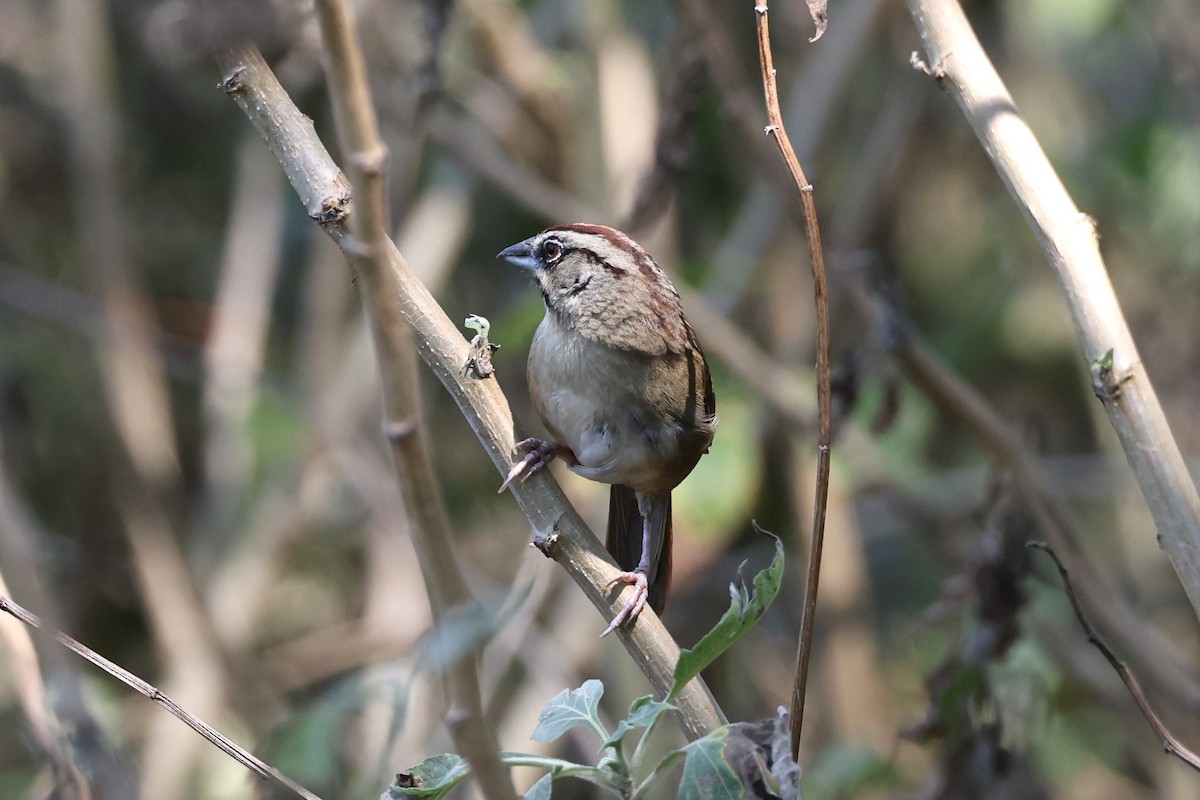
(193,481)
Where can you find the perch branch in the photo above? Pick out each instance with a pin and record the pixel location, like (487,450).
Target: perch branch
(784,389)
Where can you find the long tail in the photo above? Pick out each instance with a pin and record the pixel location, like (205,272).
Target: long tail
(623,541)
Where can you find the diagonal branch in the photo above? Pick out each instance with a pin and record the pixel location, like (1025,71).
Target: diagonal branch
(227,745)
(1169,742)
(824,395)
(408,437)
(1071,244)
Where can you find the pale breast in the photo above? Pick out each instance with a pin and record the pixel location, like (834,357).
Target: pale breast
(618,411)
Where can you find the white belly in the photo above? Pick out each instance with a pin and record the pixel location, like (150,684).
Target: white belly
(581,390)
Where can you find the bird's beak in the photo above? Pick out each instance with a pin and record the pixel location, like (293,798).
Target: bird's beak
(520,254)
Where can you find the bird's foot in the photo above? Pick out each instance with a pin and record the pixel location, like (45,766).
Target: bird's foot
(540,454)
(634,605)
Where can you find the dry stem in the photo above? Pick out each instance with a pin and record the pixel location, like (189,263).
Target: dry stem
(824,396)
(409,440)
(1170,743)
(1069,239)
(126,677)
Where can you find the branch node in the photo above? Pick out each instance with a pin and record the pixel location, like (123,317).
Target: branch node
(937,72)
(545,541)
(334,208)
(1090,221)
(232,82)
(1106,382)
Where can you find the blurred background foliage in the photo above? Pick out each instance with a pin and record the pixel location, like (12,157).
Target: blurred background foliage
(192,477)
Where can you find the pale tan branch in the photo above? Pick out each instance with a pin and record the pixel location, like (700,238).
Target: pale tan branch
(408,437)
(1069,238)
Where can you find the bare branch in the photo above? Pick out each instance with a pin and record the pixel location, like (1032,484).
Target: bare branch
(1171,744)
(126,677)
(824,395)
(1071,244)
(394,351)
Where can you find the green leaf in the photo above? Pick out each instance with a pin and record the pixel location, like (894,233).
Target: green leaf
(706,773)
(745,609)
(541,789)
(569,709)
(434,777)
(642,714)
(1103,363)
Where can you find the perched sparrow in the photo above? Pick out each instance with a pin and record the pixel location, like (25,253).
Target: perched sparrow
(620,383)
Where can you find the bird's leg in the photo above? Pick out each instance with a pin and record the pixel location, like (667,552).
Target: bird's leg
(652,510)
(541,453)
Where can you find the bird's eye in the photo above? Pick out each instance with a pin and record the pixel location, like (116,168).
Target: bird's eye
(551,251)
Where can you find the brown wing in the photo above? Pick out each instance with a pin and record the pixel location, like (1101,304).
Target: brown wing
(623,540)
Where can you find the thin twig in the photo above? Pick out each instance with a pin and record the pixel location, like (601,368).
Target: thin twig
(824,395)
(126,677)
(559,532)
(64,701)
(1170,744)
(43,725)
(1070,241)
(408,437)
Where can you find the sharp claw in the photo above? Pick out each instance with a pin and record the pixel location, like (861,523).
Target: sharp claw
(612,626)
(513,474)
(634,606)
(540,454)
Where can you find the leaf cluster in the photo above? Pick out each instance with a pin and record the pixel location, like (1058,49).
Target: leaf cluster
(736,761)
